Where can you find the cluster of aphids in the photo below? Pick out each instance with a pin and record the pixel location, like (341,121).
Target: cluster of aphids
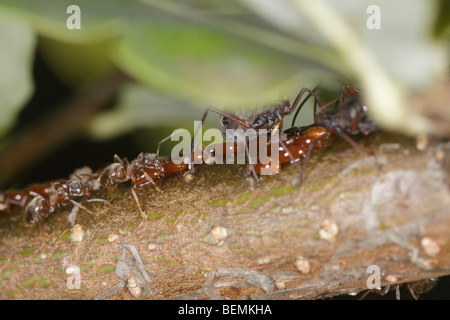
(343,116)
(415,288)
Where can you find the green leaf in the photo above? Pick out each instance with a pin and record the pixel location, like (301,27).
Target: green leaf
(207,65)
(140,107)
(100,19)
(17,41)
(390,63)
(442,26)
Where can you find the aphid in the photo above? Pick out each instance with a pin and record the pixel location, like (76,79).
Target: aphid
(295,148)
(115,173)
(40,206)
(5,206)
(19,198)
(415,288)
(87,177)
(13,199)
(349,116)
(42,189)
(146,168)
(37,209)
(212,152)
(269,119)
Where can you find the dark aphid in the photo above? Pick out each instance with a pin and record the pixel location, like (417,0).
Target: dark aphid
(296,147)
(37,209)
(115,173)
(5,206)
(146,168)
(415,288)
(349,114)
(18,198)
(41,205)
(270,119)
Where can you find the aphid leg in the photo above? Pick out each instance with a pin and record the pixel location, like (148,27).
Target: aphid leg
(411,291)
(41,229)
(386,289)
(152,182)
(323,106)
(299,96)
(224,114)
(118,160)
(161,142)
(397,292)
(365,295)
(305,161)
(165,139)
(99,200)
(137,202)
(353,143)
(81,206)
(251,165)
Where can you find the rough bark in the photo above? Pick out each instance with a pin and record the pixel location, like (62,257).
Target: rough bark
(219,236)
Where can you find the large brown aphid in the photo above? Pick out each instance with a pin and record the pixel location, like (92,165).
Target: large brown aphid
(145,169)
(270,119)
(41,205)
(415,288)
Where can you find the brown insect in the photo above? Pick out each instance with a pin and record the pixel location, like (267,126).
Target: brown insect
(40,205)
(270,119)
(415,288)
(18,198)
(144,170)
(349,116)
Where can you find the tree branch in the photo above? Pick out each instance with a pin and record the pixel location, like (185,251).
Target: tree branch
(217,237)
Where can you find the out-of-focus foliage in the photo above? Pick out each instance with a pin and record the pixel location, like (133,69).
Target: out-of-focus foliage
(132,107)
(17,44)
(206,65)
(442,26)
(78,65)
(239,53)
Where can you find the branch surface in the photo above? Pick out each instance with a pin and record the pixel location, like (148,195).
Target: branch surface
(220,237)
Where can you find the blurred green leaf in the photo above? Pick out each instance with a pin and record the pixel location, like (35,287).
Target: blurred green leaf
(77,64)
(138,107)
(284,15)
(442,26)
(17,41)
(403,47)
(251,52)
(390,63)
(100,19)
(210,66)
